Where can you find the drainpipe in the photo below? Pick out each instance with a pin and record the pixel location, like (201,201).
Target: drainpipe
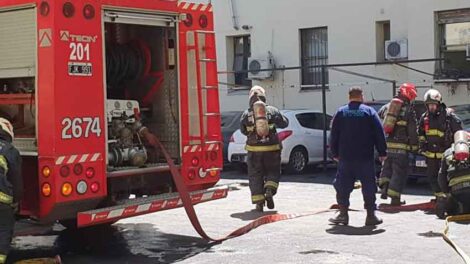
(234,17)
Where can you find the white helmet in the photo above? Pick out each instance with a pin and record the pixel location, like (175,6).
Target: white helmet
(432,96)
(257,90)
(7,127)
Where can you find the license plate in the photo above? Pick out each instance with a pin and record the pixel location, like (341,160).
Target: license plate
(80,69)
(421,163)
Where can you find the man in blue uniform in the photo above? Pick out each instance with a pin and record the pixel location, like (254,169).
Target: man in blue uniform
(356,130)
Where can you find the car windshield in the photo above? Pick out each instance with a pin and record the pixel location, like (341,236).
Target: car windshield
(227,118)
(463,112)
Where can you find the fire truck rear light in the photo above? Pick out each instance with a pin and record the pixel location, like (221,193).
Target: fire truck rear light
(203,21)
(46,189)
(67,189)
(195,162)
(68,9)
(191,174)
(78,169)
(89,11)
(213,173)
(82,187)
(64,171)
(90,172)
(46,171)
(213,155)
(95,187)
(44,8)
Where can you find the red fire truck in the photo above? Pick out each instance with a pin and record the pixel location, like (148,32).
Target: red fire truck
(80,78)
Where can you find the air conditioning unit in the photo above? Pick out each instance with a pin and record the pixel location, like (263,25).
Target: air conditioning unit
(396,49)
(255,65)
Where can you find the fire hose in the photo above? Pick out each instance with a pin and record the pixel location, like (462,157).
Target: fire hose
(446,236)
(189,208)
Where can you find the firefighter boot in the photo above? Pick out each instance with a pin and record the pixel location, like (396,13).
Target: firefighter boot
(341,218)
(396,201)
(372,219)
(259,207)
(269,198)
(384,191)
(441,207)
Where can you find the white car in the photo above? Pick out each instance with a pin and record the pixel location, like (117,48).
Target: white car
(302,140)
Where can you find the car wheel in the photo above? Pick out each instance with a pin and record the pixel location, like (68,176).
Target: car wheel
(298,160)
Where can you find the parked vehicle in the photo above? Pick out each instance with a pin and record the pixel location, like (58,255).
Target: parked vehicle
(463,112)
(302,141)
(230,122)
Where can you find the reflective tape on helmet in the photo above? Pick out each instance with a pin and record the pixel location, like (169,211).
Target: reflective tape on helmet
(5,198)
(271,184)
(435,133)
(458,180)
(262,148)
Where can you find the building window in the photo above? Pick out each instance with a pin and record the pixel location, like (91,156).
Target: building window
(241,53)
(454,40)
(314,52)
(382,31)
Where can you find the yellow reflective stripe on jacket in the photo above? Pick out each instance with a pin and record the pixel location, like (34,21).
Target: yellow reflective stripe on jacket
(434,132)
(413,147)
(433,155)
(394,145)
(459,179)
(440,194)
(5,198)
(4,163)
(383,180)
(250,128)
(272,184)
(3,259)
(422,138)
(262,148)
(257,198)
(402,123)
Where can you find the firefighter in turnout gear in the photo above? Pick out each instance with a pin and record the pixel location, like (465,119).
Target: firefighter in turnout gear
(400,128)
(454,178)
(11,186)
(259,124)
(435,131)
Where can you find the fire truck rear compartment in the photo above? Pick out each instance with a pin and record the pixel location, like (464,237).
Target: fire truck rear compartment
(140,69)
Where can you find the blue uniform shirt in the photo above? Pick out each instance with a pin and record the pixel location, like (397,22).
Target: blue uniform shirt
(356,130)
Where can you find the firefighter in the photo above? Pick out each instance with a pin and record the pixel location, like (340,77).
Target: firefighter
(356,130)
(400,128)
(259,124)
(11,186)
(435,131)
(454,178)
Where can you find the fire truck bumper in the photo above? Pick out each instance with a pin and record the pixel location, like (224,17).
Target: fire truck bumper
(151,204)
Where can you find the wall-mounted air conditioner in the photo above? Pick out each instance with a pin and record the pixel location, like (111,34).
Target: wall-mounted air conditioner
(396,49)
(255,65)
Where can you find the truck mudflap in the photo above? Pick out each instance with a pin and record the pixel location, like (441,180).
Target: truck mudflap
(140,206)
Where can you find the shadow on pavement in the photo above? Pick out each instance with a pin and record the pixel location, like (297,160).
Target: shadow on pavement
(354,231)
(251,215)
(120,243)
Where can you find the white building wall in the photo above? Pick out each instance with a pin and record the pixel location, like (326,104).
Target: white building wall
(351,39)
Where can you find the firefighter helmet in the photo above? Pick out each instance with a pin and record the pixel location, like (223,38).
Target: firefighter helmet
(257,90)
(408,90)
(432,96)
(6,126)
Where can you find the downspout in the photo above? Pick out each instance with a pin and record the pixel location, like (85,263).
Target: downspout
(234,17)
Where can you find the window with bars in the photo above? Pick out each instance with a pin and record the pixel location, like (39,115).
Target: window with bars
(314,52)
(454,44)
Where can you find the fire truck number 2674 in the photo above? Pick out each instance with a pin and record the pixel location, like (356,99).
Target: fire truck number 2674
(80,127)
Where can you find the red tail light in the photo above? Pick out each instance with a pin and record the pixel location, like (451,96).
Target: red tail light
(95,187)
(90,172)
(284,134)
(89,11)
(191,174)
(232,139)
(64,171)
(195,162)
